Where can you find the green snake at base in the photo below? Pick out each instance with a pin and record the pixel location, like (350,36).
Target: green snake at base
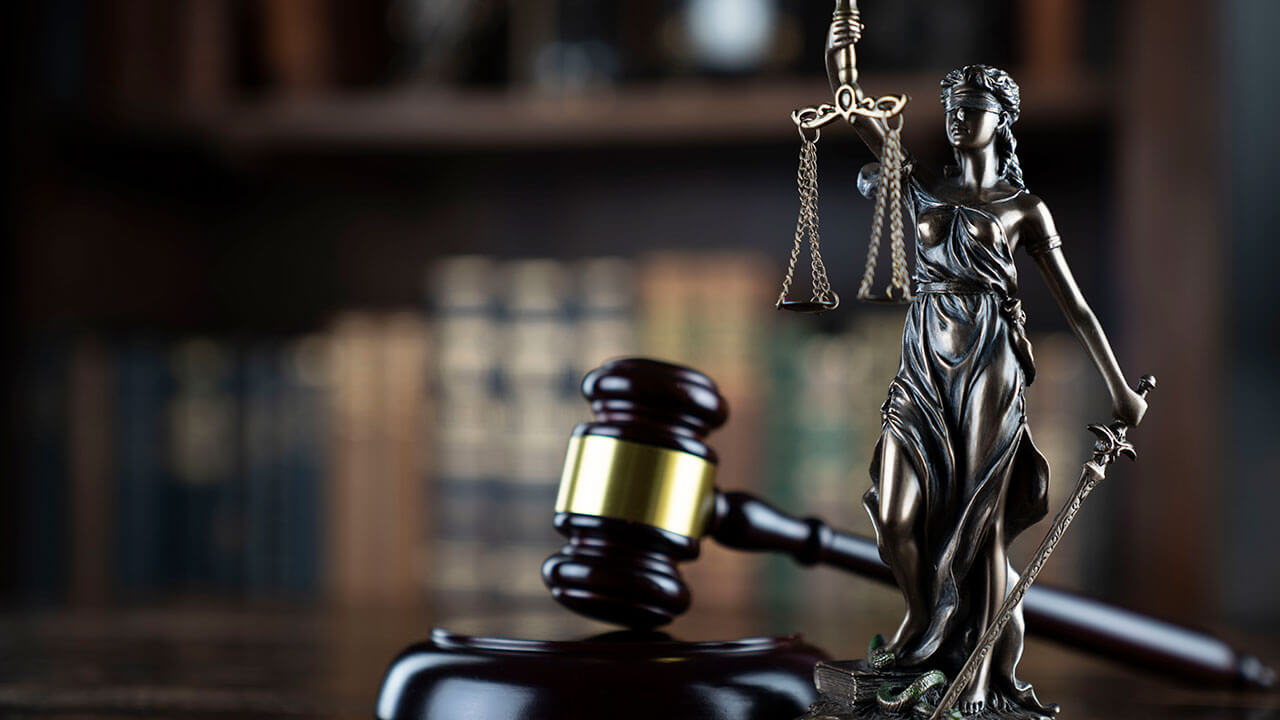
(893,701)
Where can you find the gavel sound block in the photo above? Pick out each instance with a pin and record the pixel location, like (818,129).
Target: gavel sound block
(650,418)
(636,499)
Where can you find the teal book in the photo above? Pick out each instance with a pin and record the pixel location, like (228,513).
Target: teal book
(43,533)
(784,430)
(261,468)
(303,427)
(144,556)
(203,515)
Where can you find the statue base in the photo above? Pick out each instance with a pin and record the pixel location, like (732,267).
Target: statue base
(849,690)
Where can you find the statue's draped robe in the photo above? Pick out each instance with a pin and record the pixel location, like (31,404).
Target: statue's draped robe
(957,409)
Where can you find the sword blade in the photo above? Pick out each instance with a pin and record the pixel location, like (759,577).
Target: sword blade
(1092,473)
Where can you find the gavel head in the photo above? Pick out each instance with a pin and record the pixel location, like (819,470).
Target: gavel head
(637,492)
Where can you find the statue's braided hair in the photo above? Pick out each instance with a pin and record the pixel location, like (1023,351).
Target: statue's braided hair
(1002,87)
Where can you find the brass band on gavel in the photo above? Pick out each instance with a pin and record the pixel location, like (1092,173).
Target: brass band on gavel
(668,489)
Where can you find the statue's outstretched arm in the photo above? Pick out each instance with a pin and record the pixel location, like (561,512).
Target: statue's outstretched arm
(1040,237)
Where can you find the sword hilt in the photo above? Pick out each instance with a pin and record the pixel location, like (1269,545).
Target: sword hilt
(1146,384)
(1112,439)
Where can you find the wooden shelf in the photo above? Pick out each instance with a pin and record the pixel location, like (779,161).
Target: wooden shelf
(670,113)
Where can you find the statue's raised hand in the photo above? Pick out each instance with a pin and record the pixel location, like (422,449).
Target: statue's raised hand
(845,31)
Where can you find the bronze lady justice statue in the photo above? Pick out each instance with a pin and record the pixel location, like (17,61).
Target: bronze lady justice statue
(955,475)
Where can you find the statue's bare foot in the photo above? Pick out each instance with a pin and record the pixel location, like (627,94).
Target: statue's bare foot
(1027,700)
(909,630)
(974,700)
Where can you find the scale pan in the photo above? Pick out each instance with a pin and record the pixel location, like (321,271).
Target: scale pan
(884,300)
(808,306)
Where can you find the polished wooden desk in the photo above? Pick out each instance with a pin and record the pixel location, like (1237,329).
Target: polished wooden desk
(324,663)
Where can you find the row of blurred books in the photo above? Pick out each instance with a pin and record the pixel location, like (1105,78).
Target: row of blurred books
(398,456)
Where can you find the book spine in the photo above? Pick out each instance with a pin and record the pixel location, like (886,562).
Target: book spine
(667,285)
(401,523)
(202,517)
(728,327)
(466,420)
(828,467)
(296,36)
(707,311)
(91,443)
(260,444)
(42,530)
(537,362)
(1053,38)
(355,466)
(304,432)
(143,390)
(606,317)
(784,429)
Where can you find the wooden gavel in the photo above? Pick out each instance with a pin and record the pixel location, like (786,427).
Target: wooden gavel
(638,494)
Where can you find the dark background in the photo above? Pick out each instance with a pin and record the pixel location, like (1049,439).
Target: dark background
(219,168)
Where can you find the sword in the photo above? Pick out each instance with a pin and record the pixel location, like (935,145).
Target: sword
(1111,443)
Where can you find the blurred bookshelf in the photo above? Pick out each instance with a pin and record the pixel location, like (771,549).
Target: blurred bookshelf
(412,455)
(305,290)
(684,112)
(407,74)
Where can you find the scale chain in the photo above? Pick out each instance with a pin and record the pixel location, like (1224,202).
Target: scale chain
(897,244)
(801,225)
(807,224)
(877,226)
(888,199)
(817,271)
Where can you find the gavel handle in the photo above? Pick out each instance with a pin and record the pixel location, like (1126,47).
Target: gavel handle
(745,522)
